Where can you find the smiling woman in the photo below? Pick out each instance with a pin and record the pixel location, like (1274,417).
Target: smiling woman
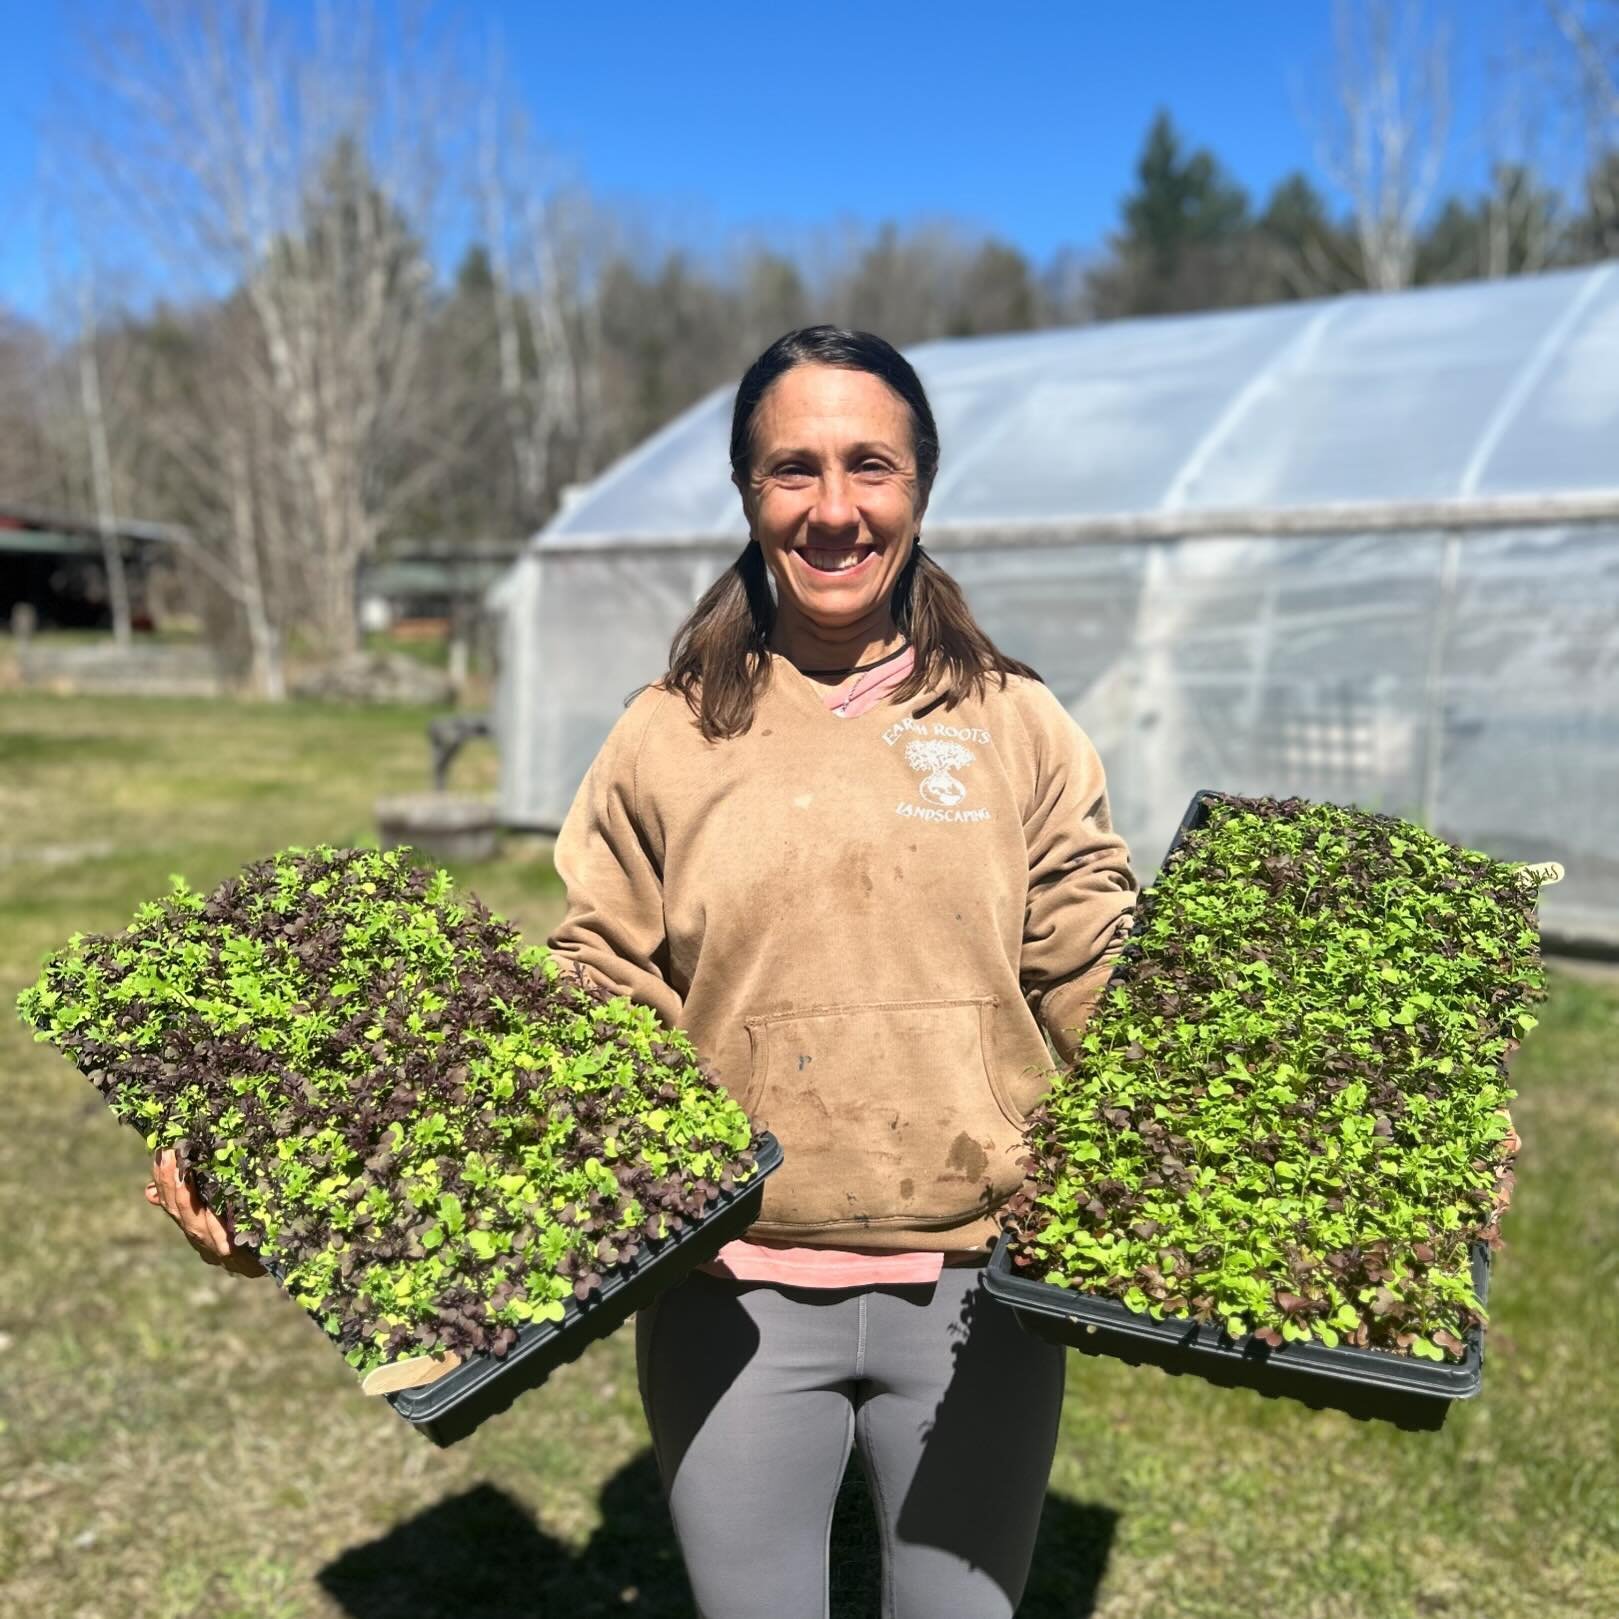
(866,913)
(834,451)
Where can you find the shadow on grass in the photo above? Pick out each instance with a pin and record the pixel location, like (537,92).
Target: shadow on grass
(482,1552)
(1070,1558)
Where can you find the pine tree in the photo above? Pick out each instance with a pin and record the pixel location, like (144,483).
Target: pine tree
(1184,226)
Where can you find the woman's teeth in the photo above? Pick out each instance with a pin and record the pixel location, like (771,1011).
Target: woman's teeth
(835,561)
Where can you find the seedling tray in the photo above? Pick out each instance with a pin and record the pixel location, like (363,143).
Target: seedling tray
(457,1403)
(1365,1383)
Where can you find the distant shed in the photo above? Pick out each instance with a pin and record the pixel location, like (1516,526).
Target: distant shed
(432,579)
(55,563)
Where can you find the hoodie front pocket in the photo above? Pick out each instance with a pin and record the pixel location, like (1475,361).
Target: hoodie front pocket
(887,1114)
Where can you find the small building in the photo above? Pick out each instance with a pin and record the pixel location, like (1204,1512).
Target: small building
(435,581)
(55,563)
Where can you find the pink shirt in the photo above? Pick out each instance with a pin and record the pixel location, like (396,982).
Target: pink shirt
(779,1262)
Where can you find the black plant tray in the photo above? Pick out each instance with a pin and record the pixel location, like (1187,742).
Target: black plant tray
(457,1403)
(1365,1383)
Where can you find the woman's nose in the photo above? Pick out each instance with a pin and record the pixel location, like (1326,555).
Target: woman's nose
(834,506)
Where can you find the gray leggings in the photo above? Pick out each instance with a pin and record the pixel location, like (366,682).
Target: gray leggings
(754,1394)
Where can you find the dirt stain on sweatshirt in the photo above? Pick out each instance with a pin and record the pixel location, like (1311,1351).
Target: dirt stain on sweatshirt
(967,1157)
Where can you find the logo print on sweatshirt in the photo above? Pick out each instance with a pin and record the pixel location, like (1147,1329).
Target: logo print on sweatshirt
(935,760)
(936,752)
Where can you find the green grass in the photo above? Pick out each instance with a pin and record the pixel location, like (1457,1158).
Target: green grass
(175,1444)
(434,651)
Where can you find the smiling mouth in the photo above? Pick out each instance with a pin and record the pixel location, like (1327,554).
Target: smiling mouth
(842,559)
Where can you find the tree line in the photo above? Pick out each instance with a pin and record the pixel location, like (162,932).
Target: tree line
(309,389)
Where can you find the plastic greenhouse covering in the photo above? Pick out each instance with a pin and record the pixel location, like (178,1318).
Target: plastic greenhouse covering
(1363,550)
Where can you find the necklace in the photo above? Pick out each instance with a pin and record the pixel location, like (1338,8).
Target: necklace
(860,668)
(874,677)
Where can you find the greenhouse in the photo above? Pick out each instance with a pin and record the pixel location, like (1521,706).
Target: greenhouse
(1363,550)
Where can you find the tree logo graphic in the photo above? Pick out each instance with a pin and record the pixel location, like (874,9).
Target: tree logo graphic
(936,760)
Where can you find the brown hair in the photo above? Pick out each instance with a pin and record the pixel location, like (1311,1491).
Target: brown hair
(719,659)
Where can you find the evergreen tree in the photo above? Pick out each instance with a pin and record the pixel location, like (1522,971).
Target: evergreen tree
(1298,251)
(1184,229)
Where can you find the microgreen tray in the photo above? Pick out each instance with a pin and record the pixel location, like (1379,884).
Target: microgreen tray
(452,1407)
(1365,1383)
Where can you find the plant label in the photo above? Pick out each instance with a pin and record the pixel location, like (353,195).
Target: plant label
(409,1374)
(1542,874)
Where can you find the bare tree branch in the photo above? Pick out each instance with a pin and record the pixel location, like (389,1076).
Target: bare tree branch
(95,427)
(1386,149)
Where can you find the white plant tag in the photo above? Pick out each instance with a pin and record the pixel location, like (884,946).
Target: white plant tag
(1542,874)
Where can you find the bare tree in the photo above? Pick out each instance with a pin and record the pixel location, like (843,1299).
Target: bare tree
(1385,147)
(1520,222)
(95,429)
(516,389)
(295,176)
(32,471)
(209,466)
(539,303)
(1590,34)
(1521,216)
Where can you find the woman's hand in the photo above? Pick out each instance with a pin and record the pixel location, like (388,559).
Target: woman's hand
(204,1230)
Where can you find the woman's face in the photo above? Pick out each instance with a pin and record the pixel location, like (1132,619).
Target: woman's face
(832,494)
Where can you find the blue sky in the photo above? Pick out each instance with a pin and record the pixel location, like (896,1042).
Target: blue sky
(712,121)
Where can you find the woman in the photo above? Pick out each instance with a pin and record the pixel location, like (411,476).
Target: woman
(845,843)
(864,859)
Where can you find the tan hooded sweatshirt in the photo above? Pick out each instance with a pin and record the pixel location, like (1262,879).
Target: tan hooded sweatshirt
(863,924)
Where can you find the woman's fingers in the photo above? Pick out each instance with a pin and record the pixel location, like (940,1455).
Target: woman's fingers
(166,1176)
(179,1199)
(210,1237)
(214,1230)
(201,1223)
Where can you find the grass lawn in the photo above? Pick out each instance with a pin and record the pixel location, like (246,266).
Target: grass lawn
(177,1443)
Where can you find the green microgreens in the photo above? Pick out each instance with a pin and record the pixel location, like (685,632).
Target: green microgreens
(430,1133)
(1284,1115)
